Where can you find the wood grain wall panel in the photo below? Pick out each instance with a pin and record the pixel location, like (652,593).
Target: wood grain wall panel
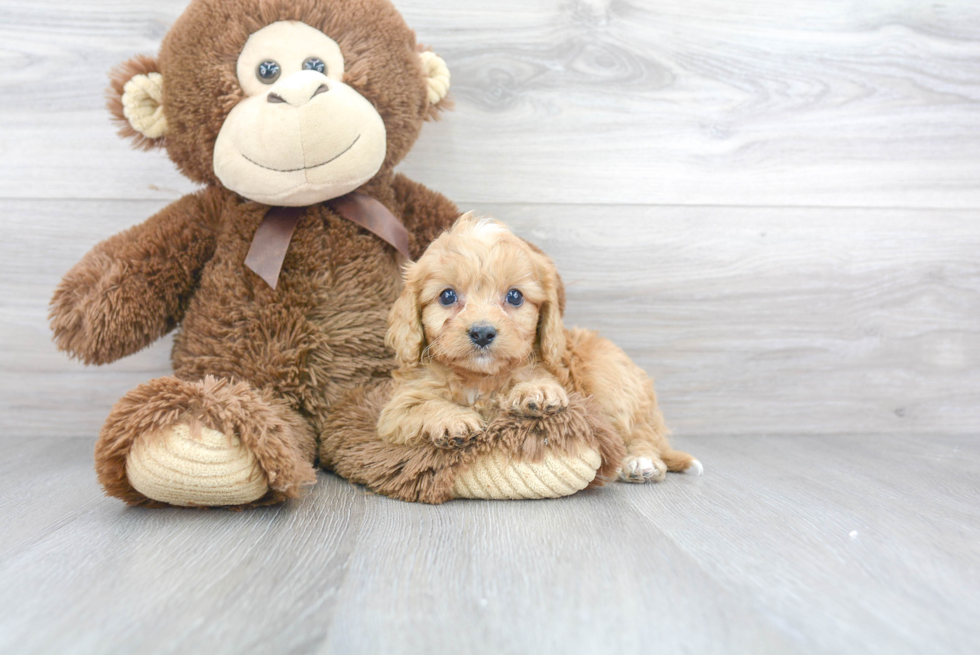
(753,320)
(676,102)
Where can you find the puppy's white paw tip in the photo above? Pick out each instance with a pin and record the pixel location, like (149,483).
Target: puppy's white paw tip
(696,468)
(641,469)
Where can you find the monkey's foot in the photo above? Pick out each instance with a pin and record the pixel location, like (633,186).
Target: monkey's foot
(201,467)
(498,476)
(204,443)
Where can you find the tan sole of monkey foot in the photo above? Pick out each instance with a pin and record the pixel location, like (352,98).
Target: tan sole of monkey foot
(207,469)
(496,477)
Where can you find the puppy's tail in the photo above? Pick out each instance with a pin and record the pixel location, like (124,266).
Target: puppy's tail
(677,460)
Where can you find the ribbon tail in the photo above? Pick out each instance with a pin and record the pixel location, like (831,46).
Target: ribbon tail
(370,214)
(271,242)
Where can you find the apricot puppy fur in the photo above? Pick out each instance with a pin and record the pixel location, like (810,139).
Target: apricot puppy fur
(477,331)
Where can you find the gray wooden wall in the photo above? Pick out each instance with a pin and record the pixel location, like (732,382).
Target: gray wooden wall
(771,204)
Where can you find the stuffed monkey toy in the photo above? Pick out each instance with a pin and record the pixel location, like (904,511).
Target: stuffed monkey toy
(279,272)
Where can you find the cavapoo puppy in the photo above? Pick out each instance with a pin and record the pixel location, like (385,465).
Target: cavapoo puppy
(478,331)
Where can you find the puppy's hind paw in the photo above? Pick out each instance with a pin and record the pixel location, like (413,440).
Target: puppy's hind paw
(642,469)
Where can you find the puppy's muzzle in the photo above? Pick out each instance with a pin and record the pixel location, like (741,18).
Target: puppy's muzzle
(482,334)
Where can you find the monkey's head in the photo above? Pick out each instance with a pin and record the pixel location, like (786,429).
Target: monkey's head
(285,102)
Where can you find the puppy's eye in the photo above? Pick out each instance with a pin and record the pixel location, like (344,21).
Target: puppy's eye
(268,72)
(515,298)
(447,298)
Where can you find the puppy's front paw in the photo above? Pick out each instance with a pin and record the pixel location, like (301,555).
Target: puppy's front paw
(455,431)
(538,399)
(642,469)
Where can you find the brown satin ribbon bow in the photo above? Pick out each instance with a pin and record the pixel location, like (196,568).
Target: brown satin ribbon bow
(271,240)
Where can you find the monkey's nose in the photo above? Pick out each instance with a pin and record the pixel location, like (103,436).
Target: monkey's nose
(298,89)
(482,334)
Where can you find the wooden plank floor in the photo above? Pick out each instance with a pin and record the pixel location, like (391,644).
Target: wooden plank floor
(786,545)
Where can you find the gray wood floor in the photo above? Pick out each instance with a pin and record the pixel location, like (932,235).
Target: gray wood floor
(771,205)
(788,544)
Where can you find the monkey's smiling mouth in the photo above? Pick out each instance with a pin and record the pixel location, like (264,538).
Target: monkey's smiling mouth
(305,168)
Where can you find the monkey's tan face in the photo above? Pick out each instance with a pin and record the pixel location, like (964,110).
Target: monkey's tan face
(480,299)
(301,136)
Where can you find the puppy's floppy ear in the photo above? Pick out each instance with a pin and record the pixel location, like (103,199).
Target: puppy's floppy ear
(551,330)
(561,284)
(405,333)
(135,99)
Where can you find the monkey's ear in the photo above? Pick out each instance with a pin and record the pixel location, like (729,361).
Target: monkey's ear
(437,79)
(406,335)
(135,99)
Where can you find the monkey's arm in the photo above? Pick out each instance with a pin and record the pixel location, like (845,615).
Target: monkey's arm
(426,213)
(133,288)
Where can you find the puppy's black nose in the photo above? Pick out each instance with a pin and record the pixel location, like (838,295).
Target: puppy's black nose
(482,334)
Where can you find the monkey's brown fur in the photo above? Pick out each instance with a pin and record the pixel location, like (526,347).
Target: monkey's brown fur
(265,365)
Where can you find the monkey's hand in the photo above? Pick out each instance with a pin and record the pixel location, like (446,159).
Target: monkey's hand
(133,288)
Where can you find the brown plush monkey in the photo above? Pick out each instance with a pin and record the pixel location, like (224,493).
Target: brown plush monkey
(302,104)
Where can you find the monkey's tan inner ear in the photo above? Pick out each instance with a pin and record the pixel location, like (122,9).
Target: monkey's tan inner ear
(437,76)
(142,102)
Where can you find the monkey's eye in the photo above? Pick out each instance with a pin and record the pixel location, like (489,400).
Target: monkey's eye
(268,72)
(315,64)
(515,298)
(447,298)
